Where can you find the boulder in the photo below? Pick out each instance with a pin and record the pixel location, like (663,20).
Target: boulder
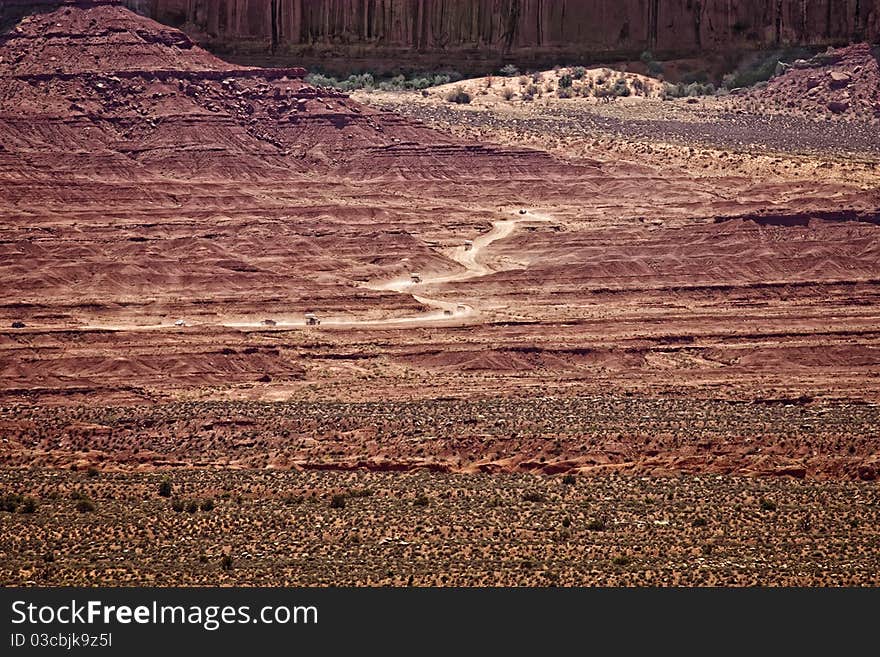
(839,80)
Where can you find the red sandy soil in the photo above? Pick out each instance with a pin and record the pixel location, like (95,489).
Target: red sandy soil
(143,181)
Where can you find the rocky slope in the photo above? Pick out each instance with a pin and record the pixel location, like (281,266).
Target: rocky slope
(841,83)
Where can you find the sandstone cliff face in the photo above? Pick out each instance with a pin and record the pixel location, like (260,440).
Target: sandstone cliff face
(518,28)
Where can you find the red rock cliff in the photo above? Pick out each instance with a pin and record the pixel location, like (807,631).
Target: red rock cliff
(585,27)
(461,32)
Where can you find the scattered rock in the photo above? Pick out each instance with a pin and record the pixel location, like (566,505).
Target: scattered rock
(839,80)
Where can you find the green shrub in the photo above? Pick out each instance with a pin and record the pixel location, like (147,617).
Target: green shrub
(578,72)
(509,71)
(565,81)
(620,88)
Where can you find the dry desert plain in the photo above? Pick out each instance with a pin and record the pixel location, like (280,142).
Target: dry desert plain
(642,348)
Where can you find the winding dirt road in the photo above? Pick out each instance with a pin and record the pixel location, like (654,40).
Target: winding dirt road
(474,267)
(470,259)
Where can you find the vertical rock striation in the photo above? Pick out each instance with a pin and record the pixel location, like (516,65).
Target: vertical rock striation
(530,27)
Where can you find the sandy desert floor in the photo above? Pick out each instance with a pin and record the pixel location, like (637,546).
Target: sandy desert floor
(674,303)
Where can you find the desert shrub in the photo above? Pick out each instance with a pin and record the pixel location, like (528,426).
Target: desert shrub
(507,93)
(534,496)
(420,83)
(177,505)
(226,562)
(191,506)
(565,93)
(620,88)
(767,504)
(509,71)
(165,488)
(459,96)
(700,89)
(688,90)
(28,505)
(566,522)
(369,81)
(605,94)
(9,503)
(422,500)
(578,72)
(565,81)
(360,492)
(530,92)
(292,500)
(337,501)
(569,480)
(85,505)
(597,525)
(320,80)
(621,560)
(92,472)
(699,521)
(355,82)
(207,504)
